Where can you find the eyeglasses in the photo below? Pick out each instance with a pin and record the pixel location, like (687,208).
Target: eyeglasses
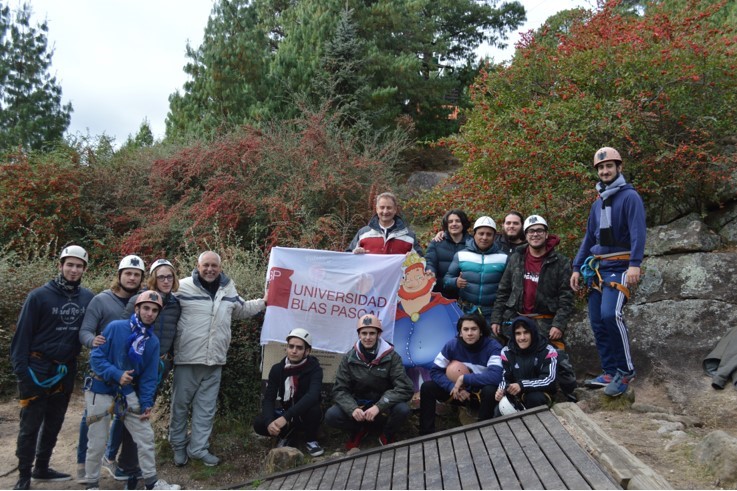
(537,231)
(167,277)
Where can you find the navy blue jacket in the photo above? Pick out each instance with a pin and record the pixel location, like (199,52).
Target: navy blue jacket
(438,256)
(49,325)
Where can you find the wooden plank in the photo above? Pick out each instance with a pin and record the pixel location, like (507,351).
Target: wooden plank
(289,482)
(539,464)
(315,478)
(464,459)
(329,477)
(484,467)
(341,477)
(433,478)
(558,458)
(386,470)
(401,464)
(502,466)
(527,478)
(356,475)
(370,472)
(448,464)
(416,467)
(302,479)
(275,483)
(588,468)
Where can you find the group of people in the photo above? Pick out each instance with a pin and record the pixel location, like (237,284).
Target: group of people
(135,335)
(515,290)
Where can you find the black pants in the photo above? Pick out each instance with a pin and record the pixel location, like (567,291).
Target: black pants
(431,392)
(309,422)
(40,422)
(389,421)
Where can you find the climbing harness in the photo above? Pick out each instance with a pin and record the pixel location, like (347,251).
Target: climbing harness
(592,277)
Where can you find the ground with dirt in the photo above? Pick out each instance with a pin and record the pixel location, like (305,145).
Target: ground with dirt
(668,453)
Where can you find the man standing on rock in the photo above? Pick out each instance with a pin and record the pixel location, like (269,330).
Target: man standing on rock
(44,355)
(209,301)
(609,261)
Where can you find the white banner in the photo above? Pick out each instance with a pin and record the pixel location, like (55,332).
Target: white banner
(327,292)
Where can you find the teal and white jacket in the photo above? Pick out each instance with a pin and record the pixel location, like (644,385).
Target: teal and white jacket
(482,269)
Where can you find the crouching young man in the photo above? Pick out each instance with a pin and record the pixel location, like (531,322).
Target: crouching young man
(296,381)
(529,366)
(125,376)
(371,388)
(467,370)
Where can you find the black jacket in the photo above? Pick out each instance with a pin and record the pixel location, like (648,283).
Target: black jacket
(309,383)
(534,368)
(554,295)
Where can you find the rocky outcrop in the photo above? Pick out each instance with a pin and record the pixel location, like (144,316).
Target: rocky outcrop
(685,301)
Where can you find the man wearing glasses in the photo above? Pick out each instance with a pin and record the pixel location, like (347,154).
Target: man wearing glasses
(292,396)
(536,284)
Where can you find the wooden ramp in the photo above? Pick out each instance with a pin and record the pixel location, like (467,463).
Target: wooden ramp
(528,450)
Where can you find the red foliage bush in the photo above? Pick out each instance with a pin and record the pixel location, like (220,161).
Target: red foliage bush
(303,184)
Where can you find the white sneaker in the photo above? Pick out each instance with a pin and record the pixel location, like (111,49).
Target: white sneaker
(109,466)
(161,484)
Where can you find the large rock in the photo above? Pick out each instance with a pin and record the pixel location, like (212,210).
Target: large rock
(282,459)
(423,180)
(687,234)
(682,306)
(725,221)
(718,452)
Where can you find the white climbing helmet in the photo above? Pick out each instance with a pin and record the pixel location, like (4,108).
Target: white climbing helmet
(132,262)
(157,263)
(74,251)
(302,334)
(484,221)
(506,407)
(534,220)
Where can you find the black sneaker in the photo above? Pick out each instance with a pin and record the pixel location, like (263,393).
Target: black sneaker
(23,483)
(49,475)
(314,449)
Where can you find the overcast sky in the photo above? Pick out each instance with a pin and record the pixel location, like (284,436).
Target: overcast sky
(119,60)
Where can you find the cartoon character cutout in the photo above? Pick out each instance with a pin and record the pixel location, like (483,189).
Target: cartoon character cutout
(425,320)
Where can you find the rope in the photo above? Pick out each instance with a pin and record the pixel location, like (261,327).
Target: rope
(61,372)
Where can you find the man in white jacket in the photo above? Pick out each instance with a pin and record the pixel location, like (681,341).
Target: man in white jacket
(209,301)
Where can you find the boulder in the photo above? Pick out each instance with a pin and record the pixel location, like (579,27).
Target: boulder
(683,305)
(423,180)
(687,234)
(718,452)
(282,459)
(725,221)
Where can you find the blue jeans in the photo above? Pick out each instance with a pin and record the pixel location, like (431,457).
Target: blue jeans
(607,323)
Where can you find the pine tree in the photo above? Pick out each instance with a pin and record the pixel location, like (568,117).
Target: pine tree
(31,114)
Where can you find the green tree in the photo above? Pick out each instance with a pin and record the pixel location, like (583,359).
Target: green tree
(228,75)
(414,55)
(144,137)
(31,113)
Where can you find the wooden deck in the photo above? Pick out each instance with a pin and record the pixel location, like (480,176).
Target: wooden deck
(529,450)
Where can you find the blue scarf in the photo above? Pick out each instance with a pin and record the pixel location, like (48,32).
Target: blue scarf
(137,340)
(606,235)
